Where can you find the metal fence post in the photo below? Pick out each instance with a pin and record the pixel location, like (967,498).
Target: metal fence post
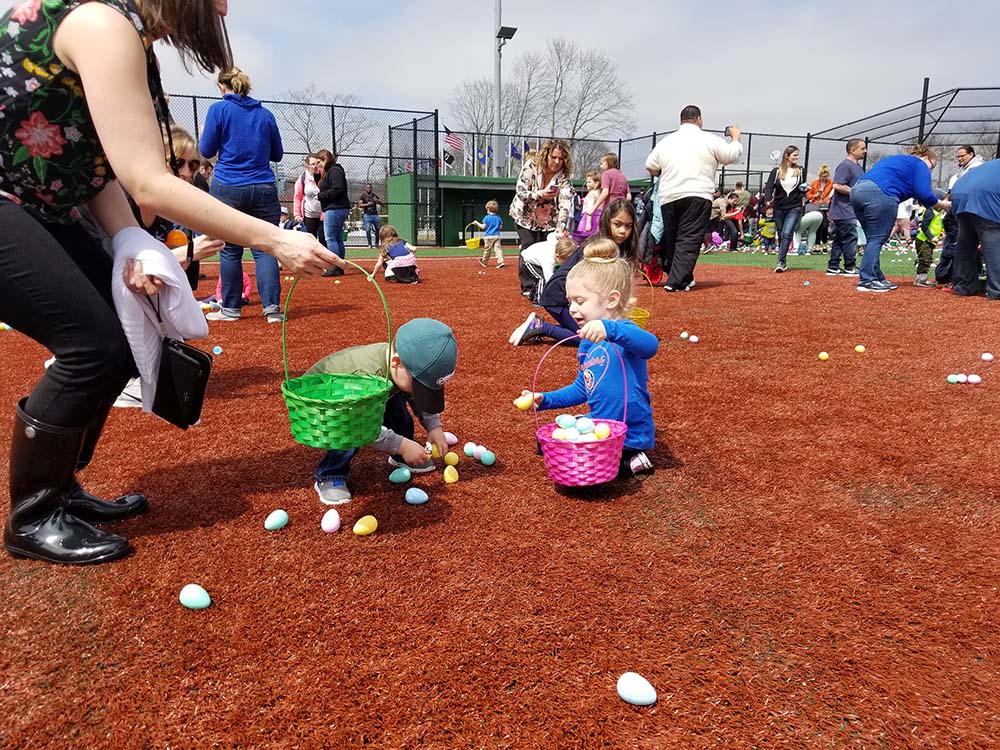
(439,218)
(333,127)
(746,184)
(654,139)
(722,180)
(619,153)
(923,110)
(864,162)
(416,168)
(805,166)
(197,129)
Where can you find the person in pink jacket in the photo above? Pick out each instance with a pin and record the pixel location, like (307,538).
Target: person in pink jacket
(305,202)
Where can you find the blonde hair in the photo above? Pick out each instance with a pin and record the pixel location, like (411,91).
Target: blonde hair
(542,158)
(594,175)
(783,169)
(565,247)
(605,273)
(235,80)
(183,142)
(922,151)
(824,169)
(492,206)
(611,159)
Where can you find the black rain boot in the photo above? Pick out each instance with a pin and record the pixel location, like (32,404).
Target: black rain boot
(88,507)
(42,461)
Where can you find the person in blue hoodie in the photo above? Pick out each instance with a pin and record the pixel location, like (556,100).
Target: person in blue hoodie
(600,289)
(246,138)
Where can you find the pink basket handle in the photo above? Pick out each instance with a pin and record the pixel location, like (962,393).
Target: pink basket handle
(534,379)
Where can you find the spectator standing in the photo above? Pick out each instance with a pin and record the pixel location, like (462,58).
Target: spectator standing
(976,204)
(967,160)
(245,136)
(614,186)
(306,207)
(335,204)
(543,201)
(819,193)
(845,226)
(876,197)
(369,203)
(686,162)
(786,190)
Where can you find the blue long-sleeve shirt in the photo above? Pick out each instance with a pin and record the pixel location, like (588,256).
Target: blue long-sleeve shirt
(245,136)
(903,177)
(601,384)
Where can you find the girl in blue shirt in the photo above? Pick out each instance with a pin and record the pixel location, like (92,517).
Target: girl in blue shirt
(878,193)
(600,290)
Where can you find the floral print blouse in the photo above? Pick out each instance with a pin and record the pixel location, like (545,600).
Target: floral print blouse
(51,159)
(540,214)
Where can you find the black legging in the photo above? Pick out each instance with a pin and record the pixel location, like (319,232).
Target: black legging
(55,287)
(315,227)
(527,238)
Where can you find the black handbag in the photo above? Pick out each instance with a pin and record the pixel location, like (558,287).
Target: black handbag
(181,380)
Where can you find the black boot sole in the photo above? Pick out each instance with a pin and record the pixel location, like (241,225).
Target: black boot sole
(110,557)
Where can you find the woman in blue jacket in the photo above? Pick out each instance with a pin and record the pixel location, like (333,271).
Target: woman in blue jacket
(246,138)
(875,198)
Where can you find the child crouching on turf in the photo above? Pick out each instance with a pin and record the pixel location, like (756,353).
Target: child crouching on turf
(397,256)
(419,364)
(600,291)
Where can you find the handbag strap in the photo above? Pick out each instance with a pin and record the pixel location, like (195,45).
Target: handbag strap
(156,311)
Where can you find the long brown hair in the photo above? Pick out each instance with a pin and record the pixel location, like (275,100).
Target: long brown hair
(193,27)
(327,157)
(542,158)
(783,169)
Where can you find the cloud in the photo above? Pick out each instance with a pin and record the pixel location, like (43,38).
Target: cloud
(771,66)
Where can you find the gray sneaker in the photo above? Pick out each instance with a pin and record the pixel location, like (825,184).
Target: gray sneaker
(273,317)
(219,315)
(424,468)
(873,286)
(780,267)
(333,492)
(527,331)
(835,272)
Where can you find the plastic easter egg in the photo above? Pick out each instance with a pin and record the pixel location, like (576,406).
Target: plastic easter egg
(469,449)
(276,519)
(860,349)
(488,458)
(523,402)
(400,475)
(450,474)
(975,379)
(450,439)
(365,525)
(635,689)
(416,496)
(602,430)
(823,356)
(435,453)
(194,596)
(693,339)
(572,434)
(330,521)
(805,283)
(558,434)
(588,437)
(216,350)
(566,420)
(451,459)
(962,377)
(986,357)
(952,379)
(585,424)
(684,335)
(478,452)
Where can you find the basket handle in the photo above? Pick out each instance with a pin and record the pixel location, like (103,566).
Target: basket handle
(288,302)
(471,223)
(534,379)
(652,289)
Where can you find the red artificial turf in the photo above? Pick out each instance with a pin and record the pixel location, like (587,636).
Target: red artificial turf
(813,564)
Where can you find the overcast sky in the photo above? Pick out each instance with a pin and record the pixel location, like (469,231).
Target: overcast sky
(770,65)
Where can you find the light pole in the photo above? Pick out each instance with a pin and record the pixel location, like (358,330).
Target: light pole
(504,34)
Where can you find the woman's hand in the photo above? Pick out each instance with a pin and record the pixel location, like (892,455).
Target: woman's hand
(301,254)
(204,247)
(594,330)
(139,282)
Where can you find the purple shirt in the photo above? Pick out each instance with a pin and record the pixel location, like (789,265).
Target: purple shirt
(615,182)
(848,172)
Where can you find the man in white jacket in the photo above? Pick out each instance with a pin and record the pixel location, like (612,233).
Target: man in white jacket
(686,162)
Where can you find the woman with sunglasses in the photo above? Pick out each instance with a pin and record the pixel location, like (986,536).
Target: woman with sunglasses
(79,128)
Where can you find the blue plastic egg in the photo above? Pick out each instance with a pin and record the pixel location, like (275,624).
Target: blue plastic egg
(585,425)
(276,519)
(566,420)
(416,496)
(400,475)
(488,458)
(216,350)
(194,596)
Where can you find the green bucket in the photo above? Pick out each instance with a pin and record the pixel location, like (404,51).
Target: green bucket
(335,411)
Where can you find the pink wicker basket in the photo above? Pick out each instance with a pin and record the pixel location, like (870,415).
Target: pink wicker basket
(581,464)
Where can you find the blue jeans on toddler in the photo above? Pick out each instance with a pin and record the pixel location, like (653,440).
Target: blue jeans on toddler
(337,464)
(844,245)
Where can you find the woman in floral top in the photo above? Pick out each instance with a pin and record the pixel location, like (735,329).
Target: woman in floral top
(60,150)
(543,201)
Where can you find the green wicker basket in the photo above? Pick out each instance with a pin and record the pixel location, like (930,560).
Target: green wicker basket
(335,411)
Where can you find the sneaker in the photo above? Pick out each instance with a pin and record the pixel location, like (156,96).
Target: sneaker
(835,272)
(501,265)
(852,272)
(640,463)
(131,395)
(424,468)
(889,284)
(221,316)
(671,289)
(780,267)
(690,286)
(334,271)
(274,317)
(873,286)
(923,281)
(526,331)
(482,263)
(333,492)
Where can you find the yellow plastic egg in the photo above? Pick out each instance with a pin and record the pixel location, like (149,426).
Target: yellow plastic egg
(451,458)
(601,430)
(823,356)
(365,525)
(435,453)
(523,402)
(450,474)
(559,434)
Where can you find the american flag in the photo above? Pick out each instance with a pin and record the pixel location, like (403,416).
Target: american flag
(454,140)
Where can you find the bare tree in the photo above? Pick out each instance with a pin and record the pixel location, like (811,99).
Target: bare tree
(472,106)
(320,120)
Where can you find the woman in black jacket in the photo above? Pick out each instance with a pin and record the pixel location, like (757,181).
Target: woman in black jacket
(786,188)
(335,204)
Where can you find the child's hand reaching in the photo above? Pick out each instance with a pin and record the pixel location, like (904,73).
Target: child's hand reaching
(526,399)
(437,439)
(594,330)
(413,452)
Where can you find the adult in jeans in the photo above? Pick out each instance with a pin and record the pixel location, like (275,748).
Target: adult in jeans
(55,277)
(246,138)
(785,189)
(335,204)
(876,197)
(975,200)
(369,203)
(845,223)
(543,201)
(686,162)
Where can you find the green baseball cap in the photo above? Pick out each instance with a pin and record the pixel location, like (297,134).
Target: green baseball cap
(428,350)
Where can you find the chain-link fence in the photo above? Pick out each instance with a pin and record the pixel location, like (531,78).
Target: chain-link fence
(362,139)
